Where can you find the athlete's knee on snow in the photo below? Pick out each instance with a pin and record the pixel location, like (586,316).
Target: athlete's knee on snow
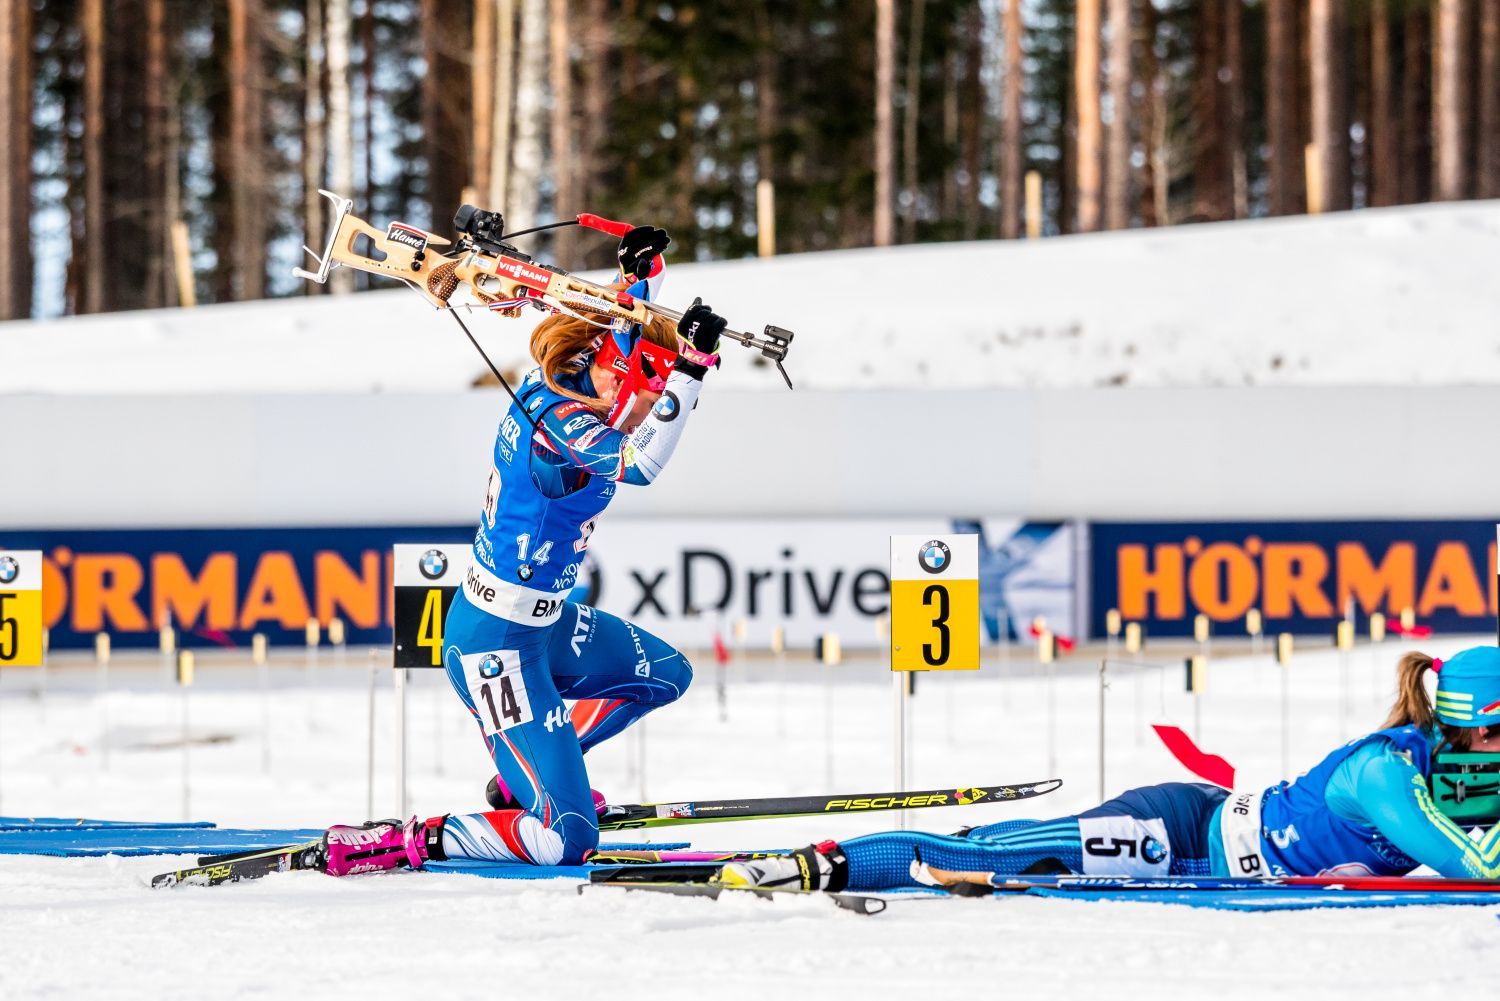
(580,835)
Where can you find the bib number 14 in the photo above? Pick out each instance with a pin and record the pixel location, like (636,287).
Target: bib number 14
(497,689)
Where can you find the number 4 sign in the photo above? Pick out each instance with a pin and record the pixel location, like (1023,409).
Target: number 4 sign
(934,603)
(426,576)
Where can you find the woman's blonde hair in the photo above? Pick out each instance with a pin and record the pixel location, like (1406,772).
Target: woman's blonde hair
(1414,708)
(559,343)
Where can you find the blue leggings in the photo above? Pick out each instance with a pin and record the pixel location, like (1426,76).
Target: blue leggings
(513,679)
(1153,830)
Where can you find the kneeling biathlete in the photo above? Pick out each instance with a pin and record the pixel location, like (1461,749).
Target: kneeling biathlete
(604,407)
(1365,809)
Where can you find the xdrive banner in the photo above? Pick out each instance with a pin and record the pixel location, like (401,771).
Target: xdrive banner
(1298,574)
(219,586)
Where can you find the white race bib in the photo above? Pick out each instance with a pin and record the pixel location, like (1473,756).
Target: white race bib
(498,689)
(1124,846)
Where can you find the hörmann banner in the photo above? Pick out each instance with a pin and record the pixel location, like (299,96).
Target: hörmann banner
(218,587)
(1298,574)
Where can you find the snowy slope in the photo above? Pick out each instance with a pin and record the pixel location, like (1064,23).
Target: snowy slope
(1389,296)
(88,927)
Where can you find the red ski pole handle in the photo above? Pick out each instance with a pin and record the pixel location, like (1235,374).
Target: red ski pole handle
(590,221)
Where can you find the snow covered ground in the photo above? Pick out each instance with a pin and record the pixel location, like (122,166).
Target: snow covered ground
(1382,296)
(89,927)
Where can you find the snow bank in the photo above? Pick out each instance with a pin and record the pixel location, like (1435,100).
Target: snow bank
(1388,296)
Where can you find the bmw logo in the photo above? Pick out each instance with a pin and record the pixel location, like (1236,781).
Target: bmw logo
(524,572)
(433,564)
(667,407)
(1153,851)
(9,569)
(933,556)
(490,666)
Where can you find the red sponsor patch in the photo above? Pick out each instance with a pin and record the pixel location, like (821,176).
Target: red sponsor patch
(1492,707)
(569,408)
(523,273)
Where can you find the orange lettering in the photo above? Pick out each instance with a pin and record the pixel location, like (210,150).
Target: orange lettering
(54,594)
(275,593)
(390,591)
(1138,583)
(1294,575)
(174,589)
(1389,587)
(105,586)
(338,587)
(1241,581)
(1452,583)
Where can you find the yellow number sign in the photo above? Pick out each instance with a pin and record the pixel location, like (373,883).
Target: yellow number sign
(20,608)
(934,603)
(426,577)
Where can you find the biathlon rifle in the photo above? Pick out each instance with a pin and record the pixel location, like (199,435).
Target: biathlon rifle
(495,275)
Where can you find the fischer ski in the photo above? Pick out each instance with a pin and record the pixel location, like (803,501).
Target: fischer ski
(859,903)
(635,856)
(1384,884)
(634,816)
(308,855)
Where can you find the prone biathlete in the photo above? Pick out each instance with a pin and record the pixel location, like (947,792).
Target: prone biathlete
(605,407)
(1365,809)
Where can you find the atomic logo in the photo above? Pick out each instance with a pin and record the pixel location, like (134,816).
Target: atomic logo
(9,569)
(433,564)
(934,556)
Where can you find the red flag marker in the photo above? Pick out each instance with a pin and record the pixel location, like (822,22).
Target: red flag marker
(1209,767)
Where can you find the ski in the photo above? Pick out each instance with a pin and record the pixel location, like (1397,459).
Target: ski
(859,903)
(635,816)
(1388,884)
(634,856)
(308,855)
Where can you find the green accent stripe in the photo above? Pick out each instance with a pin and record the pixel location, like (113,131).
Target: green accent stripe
(1481,857)
(1456,696)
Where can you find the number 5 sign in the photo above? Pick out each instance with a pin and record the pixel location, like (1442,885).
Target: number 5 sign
(934,603)
(20,608)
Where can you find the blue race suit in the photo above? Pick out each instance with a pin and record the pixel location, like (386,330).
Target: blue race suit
(1364,809)
(515,647)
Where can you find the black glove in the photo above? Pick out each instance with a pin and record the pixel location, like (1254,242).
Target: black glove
(638,248)
(699,329)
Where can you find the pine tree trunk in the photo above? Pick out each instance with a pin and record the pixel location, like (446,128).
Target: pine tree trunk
(885,122)
(1086,100)
(531,84)
(157,225)
(482,84)
(1385,169)
(1117,177)
(367,93)
(564,162)
(1450,99)
(1330,101)
(1284,154)
(10,125)
(971,126)
(1152,185)
(1232,92)
(314,129)
(765,95)
(1488,135)
(909,118)
(246,134)
(1213,197)
(948,204)
(340,118)
(1011,151)
(504,112)
(93,275)
(1416,107)
(597,60)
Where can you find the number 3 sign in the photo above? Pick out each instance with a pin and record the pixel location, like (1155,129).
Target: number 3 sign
(934,603)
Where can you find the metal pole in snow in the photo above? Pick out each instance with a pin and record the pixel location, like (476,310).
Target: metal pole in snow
(370,742)
(401,742)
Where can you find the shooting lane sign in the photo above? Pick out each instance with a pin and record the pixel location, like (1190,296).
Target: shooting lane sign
(934,603)
(20,608)
(425,577)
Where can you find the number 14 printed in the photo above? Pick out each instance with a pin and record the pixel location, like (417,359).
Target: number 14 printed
(497,689)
